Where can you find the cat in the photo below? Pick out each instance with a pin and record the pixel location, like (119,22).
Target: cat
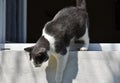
(68,25)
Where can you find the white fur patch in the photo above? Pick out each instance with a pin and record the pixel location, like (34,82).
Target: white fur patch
(85,38)
(51,40)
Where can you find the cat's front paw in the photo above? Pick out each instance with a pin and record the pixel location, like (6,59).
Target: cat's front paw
(83,49)
(58,79)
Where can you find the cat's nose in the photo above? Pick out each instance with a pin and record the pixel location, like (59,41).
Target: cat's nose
(37,65)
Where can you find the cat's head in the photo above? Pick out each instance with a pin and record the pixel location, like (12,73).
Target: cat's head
(38,54)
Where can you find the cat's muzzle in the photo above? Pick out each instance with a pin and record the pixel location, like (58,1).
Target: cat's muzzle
(39,60)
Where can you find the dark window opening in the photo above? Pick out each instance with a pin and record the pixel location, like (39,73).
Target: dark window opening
(101,13)
(117,14)
(41,11)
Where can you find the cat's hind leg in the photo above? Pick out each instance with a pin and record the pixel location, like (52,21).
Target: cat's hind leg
(85,39)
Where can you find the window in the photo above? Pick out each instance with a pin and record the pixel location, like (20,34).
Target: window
(13,22)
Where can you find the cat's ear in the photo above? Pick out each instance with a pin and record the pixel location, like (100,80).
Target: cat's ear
(29,49)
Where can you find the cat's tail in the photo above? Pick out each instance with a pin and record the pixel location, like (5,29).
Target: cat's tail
(81,4)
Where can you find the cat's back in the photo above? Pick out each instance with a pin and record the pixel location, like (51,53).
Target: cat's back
(70,12)
(66,22)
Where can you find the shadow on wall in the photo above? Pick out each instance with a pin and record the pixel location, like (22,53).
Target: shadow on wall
(95,47)
(92,47)
(70,71)
(2,46)
(113,64)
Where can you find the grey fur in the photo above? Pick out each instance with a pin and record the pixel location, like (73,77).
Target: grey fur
(67,24)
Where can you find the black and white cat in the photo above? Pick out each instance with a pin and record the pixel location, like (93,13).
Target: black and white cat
(68,25)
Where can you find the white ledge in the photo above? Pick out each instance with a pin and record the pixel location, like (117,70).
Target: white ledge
(92,47)
(82,67)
